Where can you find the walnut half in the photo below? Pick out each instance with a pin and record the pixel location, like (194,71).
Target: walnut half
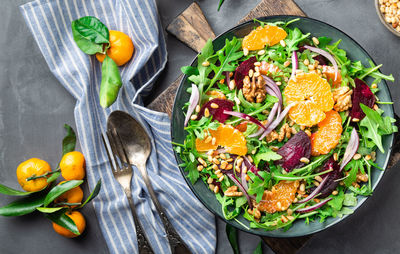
(342,98)
(254,90)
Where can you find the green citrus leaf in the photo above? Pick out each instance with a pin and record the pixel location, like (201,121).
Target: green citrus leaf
(22,206)
(69,141)
(60,189)
(110,82)
(94,193)
(63,220)
(12,192)
(49,209)
(90,34)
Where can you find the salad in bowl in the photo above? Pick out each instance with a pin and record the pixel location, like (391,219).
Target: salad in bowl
(283,126)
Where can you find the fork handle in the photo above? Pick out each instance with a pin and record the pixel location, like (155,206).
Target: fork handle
(143,244)
(176,243)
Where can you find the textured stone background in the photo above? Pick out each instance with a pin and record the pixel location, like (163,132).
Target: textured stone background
(34,106)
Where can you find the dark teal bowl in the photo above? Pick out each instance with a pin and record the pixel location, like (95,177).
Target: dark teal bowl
(316,28)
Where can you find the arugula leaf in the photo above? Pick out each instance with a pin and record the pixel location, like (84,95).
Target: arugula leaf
(268,155)
(189,70)
(294,37)
(226,56)
(337,201)
(226,202)
(354,166)
(257,186)
(376,126)
(323,41)
(363,191)
(350,199)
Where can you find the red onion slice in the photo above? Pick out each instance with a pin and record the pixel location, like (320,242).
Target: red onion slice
(269,121)
(238,184)
(194,99)
(271,84)
(243,178)
(314,207)
(295,63)
(327,55)
(279,119)
(351,149)
(315,192)
(245,117)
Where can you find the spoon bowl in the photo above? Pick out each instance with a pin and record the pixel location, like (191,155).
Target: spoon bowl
(133,136)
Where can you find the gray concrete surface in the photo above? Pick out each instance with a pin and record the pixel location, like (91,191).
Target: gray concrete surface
(34,107)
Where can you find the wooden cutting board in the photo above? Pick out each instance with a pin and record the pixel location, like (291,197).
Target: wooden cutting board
(165,101)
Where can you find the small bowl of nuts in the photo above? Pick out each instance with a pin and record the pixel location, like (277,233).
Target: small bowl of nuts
(389,13)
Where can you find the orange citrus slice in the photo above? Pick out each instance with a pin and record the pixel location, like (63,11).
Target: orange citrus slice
(261,36)
(226,136)
(329,71)
(283,193)
(313,96)
(328,135)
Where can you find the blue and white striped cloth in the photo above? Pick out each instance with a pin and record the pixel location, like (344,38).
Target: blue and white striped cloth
(49,22)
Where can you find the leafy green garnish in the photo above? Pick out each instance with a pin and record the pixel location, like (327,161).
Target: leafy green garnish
(375,126)
(258,185)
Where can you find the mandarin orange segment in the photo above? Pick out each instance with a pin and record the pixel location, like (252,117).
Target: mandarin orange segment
(313,97)
(261,36)
(329,72)
(283,193)
(328,135)
(226,136)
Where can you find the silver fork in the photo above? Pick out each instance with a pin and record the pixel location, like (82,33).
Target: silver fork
(123,174)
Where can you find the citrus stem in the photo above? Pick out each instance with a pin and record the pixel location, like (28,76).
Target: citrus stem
(68,204)
(33,177)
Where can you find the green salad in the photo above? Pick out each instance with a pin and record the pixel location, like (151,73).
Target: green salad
(283,126)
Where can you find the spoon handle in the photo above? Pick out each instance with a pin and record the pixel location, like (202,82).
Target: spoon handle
(176,243)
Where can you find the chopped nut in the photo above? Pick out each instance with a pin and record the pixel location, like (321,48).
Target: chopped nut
(216,189)
(221,178)
(215,167)
(304,160)
(214,105)
(193,117)
(210,180)
(362,177)
(306,62)
(286,64)
(258,64)
(318,178)
(357,156)
(233,192)
(206,112)
(302,187)
(285,131)
(261,52)
(315,40)
(211,186)
(202,162)
(254,90)
(368,157)
(335,192)
(232,84)
(245,51)
(308,132)
(354,119)
(342,98)
(284,219)
(200,167)
(374,86)
(205,63)
(335,156)
(283,43)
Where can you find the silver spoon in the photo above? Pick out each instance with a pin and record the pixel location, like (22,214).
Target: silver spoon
(137,146)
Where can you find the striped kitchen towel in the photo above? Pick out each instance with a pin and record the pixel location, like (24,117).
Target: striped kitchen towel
(49,22)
